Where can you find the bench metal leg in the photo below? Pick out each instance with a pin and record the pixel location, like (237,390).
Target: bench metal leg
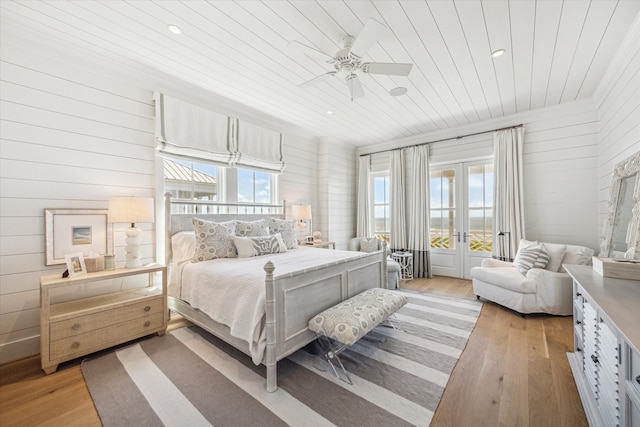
(332,353)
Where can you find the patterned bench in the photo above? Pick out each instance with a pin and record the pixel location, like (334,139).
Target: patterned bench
(352,319)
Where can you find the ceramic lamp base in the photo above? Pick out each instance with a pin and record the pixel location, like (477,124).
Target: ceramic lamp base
(132,248)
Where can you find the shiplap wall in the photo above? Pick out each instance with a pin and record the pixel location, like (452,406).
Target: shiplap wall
(618,99)
(76,130)
(560,167)
(337,196)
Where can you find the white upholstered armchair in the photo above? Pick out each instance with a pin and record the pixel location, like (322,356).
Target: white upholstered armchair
(535,282)
(364,244)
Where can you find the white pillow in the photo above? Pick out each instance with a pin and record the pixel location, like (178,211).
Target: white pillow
(213,240)
(259,245)
(556,253)
(368,244)
(183,246)
(579,255)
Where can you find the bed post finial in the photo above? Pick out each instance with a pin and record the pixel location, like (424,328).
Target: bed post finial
(270,305)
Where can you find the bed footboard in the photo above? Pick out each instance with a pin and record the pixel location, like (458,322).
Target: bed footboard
(293,299)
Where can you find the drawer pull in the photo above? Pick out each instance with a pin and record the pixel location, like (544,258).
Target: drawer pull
(75,326)
(147,308)
(75,344)
(594,358)
(146,324)
(638,379)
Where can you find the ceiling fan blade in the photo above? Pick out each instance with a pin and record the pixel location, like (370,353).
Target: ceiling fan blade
(368,36)
(392,68)
(317,80)
(355,87)
(312,52)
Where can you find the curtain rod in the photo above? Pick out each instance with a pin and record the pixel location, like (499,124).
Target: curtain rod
(444,139)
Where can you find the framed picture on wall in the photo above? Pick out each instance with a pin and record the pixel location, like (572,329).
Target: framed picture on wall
(76,231)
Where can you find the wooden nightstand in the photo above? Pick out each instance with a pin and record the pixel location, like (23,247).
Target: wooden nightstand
(74,328)
(322,245)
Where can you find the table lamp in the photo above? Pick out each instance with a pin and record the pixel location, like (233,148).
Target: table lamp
(302,213)
(131,210)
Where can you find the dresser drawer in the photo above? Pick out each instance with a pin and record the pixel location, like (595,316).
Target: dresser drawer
(634,372)
(106,337)
(90,322)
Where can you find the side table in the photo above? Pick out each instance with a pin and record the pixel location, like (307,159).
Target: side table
(405,259)
(322,245)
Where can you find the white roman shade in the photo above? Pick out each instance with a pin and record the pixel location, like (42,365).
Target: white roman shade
(258,148)
(185,130)
(188,131)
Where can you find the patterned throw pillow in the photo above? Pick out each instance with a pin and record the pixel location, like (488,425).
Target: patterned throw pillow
(368,244)
(287,229)
(252,228)
(533,256)
(213,240)
(262,245)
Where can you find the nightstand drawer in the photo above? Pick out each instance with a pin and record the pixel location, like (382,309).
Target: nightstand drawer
(90,322)
(105,337)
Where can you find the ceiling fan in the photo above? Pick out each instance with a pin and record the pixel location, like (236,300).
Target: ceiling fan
(348,60)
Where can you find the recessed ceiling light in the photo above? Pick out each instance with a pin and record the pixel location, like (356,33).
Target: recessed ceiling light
(497,53)
(174,29)
(329,112)
(398,91)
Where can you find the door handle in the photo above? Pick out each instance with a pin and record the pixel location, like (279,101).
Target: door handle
(458,236)
(464,237)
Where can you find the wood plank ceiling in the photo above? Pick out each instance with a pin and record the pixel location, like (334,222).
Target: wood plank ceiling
(556,52)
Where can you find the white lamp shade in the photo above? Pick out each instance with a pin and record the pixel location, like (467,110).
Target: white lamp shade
(131,209)
(301,211)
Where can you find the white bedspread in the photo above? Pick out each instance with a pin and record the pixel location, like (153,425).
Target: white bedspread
(232,290)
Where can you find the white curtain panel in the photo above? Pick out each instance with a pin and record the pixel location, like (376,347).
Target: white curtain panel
(419,238)
(508,194)
(398,217)
(363,221)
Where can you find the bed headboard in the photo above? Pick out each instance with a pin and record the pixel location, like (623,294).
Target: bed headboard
(178,214)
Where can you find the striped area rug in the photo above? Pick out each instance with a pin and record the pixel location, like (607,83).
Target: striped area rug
(190,378)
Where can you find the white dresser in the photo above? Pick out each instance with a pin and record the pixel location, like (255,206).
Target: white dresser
(606,358)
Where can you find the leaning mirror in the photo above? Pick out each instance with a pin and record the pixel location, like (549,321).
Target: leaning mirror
(621,230)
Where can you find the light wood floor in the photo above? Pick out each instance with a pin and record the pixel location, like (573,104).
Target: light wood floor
(513,372)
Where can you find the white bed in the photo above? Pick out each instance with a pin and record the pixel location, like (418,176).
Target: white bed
(262,305)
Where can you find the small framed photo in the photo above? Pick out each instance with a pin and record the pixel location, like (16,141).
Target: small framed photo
(75,264)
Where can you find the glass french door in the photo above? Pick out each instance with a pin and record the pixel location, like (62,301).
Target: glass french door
(461,216)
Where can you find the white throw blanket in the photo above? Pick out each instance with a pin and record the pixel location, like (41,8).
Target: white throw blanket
(232,290)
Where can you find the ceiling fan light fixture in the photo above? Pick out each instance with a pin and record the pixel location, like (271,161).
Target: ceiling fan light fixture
(398,91)
(497,53)
(174,29)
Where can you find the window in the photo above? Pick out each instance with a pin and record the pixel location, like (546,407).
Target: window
(254,186)
(191,181)
(203,181)
(480,201)
(443,208)
(381,206)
